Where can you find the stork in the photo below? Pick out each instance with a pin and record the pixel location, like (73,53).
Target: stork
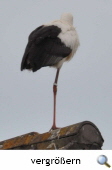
(51,44)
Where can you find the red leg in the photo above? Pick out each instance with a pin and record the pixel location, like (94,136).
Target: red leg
(55,92)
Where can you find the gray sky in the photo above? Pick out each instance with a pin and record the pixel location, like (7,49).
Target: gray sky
(85,83)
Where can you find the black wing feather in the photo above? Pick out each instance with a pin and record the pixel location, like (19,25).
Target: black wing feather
(44,48)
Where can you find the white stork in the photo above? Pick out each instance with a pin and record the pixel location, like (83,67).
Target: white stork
(51,45)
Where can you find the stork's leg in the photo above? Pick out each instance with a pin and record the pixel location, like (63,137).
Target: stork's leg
(55,92)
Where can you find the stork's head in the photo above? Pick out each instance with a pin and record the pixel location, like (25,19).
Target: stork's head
(67,17)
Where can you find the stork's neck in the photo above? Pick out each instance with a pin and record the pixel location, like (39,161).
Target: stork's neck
(67,18)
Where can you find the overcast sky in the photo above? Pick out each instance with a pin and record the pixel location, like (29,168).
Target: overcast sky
(85,83)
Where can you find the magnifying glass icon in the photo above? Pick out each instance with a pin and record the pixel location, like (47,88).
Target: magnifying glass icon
(102,160)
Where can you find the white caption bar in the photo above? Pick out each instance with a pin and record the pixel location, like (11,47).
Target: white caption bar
(53,159)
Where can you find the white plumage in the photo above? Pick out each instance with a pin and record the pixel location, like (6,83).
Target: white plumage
(68,35)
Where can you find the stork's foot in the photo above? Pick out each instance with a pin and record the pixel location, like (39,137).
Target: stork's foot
(54,128)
